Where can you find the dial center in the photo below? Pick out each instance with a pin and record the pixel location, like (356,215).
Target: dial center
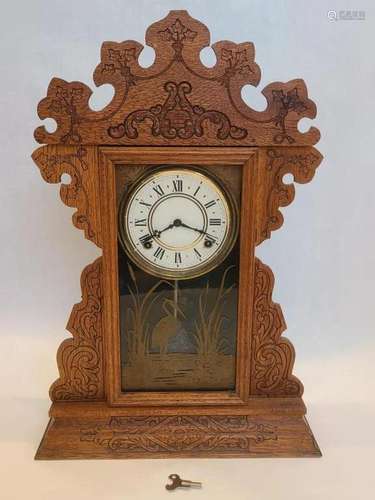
(177,222)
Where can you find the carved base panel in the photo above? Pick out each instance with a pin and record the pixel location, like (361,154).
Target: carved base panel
(264,428)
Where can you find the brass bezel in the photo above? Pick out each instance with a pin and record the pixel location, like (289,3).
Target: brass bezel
(183,274)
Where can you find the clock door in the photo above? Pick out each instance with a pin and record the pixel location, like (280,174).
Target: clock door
(178,328)
(178,271)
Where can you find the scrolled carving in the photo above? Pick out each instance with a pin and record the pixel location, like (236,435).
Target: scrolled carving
(272,356)
(53,163)
(177,118)
(299,162)
(237,433)
(178,40)
(80,359)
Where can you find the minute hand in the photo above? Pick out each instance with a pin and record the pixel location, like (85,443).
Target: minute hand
(194,228)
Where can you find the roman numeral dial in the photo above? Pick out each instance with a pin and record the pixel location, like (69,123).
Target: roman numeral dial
(177,222)
(177,186)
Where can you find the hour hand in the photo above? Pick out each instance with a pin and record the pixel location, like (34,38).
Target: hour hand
(146,240)
(158,233)
(175,223)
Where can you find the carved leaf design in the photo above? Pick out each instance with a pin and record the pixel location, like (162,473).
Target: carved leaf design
(180,433)
(302,164)
(53,163)
(80,359)
(116,66)
(177,32)
(238,62)
(272,356)
(177,40)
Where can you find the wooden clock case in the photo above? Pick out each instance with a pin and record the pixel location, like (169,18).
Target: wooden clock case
(177,111)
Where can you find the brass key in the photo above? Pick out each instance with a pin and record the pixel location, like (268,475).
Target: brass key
(177,482)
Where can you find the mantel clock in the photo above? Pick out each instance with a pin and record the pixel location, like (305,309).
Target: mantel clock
(176,348)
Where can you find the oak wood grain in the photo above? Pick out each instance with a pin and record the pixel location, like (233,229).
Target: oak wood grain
(251,431)
(177,112)
(177,100)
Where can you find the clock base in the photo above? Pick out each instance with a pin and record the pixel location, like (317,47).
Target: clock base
(265,427)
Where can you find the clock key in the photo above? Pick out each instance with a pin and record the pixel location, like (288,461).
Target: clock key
(177,482)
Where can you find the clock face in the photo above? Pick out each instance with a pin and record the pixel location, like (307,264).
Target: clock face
(177,222)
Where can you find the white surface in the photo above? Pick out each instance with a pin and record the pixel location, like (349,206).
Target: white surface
(338,388)
(323,257)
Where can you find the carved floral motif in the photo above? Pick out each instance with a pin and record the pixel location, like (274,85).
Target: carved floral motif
(80,359)
(65,102)
(286,103)
(272,356)
(53,165)
(302,165)
(177,117)
(178,40)
(180,433)
(177,33)
(238,60)
(117,59)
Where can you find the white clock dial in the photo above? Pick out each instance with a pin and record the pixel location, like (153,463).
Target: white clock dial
(177,222)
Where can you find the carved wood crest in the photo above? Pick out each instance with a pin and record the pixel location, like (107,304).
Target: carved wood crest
(177,99)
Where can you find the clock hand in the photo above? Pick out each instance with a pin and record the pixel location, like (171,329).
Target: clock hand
(209,241)
(179,223)
(193,228)
(147,240)
(175,223)
(158,233)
